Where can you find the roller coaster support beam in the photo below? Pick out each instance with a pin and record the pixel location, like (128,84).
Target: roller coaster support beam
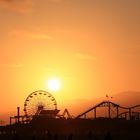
(117,111)
(85,116)
(95,113)
(129,113)
(10,120)
(109,110)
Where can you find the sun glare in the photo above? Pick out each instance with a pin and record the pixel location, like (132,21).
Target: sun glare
(53,84)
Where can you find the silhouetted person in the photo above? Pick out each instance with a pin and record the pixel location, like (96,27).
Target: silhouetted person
(70,137)
(90,136)
(16,137)
(33,138)
(49,136)
(56,137)
(108,136)
(42,138)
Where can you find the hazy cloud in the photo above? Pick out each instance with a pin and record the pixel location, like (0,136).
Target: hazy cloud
(12,65)
(21,6)
(29,35)
(84,56)
(56,0)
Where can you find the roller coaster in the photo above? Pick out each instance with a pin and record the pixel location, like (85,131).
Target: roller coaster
(114,111)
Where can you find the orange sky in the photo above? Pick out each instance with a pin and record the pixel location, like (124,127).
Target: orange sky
(92,46)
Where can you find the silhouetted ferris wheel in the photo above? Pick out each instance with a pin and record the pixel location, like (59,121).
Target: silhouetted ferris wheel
(38,102)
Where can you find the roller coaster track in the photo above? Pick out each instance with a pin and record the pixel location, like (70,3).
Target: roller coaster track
(109,104)
(127,112)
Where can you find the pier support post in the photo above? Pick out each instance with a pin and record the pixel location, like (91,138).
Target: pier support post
(18,114)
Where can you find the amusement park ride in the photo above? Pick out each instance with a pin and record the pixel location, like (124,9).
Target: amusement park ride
(41,105)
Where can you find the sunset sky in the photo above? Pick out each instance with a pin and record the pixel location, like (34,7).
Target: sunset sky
(91,46)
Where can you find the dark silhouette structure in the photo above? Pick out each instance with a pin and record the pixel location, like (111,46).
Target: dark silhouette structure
(108,136)
(114,112)
(45,122)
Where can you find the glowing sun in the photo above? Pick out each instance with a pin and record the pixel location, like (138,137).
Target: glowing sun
(53,84)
